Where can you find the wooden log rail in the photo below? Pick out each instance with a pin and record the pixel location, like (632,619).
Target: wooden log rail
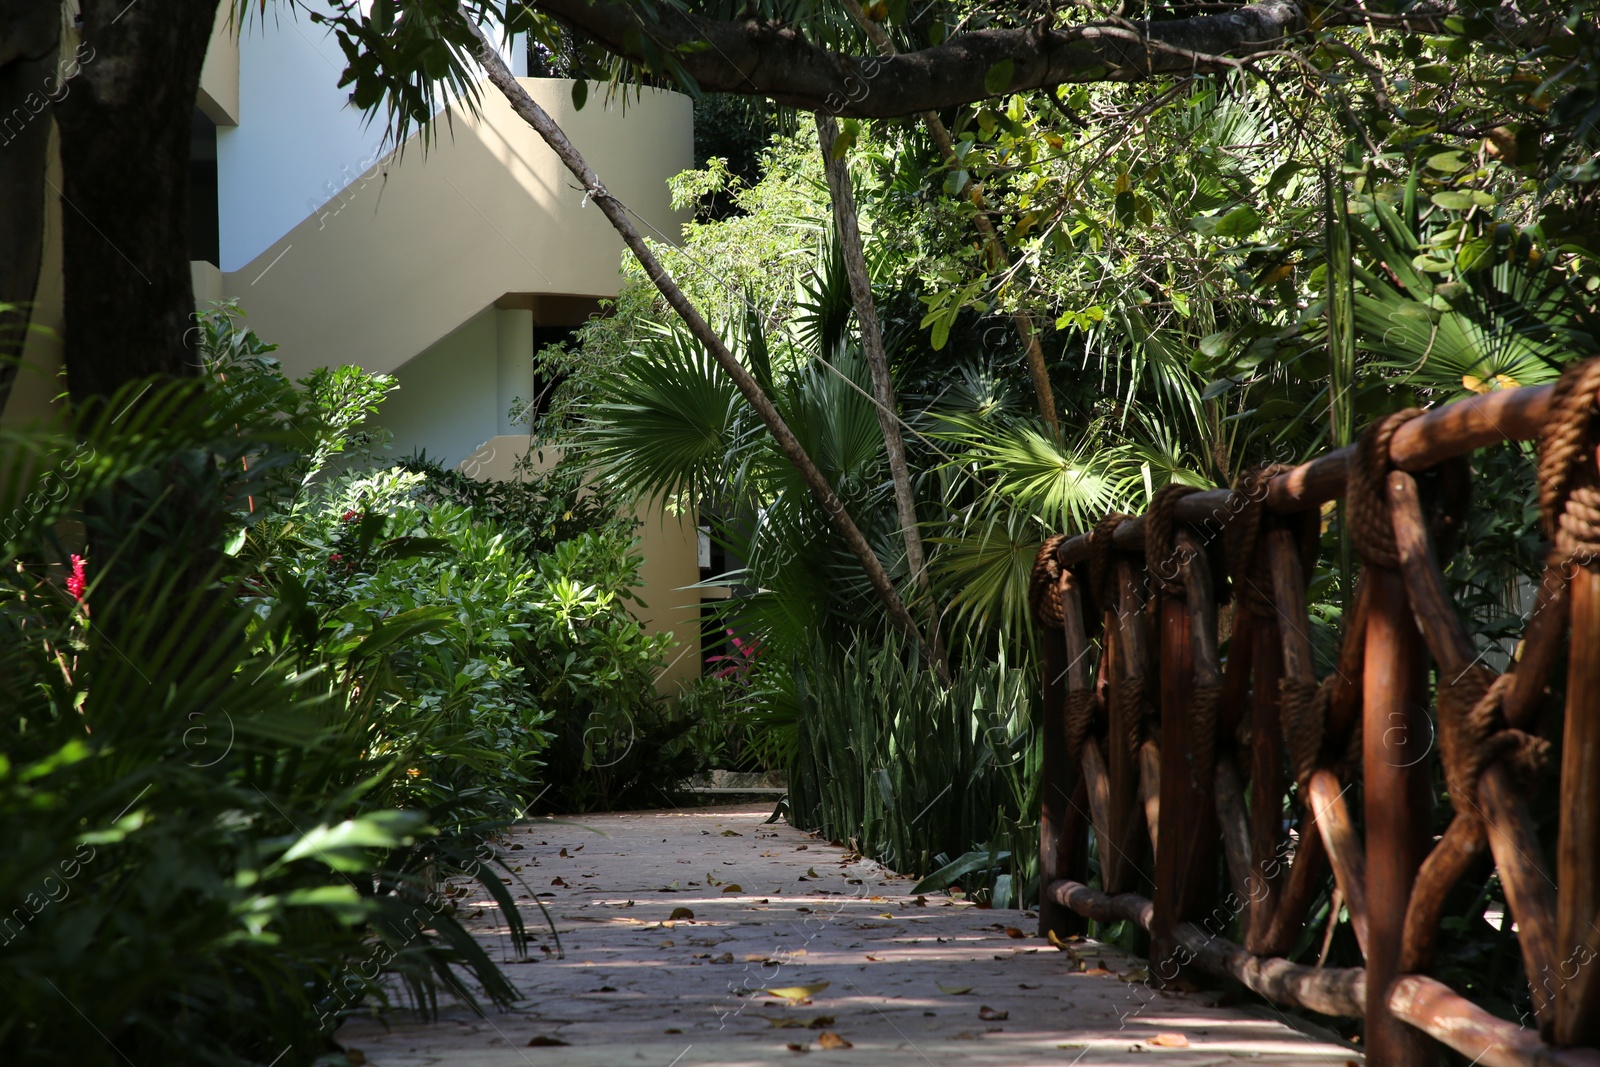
(1152,737)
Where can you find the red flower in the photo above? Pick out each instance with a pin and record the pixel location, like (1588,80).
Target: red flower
(334,557)
(76,582)
(348,516)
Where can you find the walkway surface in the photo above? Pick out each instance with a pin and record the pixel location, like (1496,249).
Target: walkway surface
(798,949)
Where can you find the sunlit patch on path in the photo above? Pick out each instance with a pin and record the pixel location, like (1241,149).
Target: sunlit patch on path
(798,949)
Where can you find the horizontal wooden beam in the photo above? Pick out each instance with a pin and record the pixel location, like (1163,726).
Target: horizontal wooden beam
(1451,1019)
(1424,442)
(1329,990)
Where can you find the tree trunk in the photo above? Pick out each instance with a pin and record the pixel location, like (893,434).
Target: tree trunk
(855,266)
(29,84)
(534,115)
(1044,395)
(125,127)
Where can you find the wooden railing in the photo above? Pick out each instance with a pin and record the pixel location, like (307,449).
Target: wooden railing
(1246,776)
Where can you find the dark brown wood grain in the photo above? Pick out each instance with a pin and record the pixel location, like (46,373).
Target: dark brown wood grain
(1442,628)
(1578,848)
(1289,594)
(1399,802)
(1463,842)
(1059,776)
(1530,893)
(1234,823)
(1267,844)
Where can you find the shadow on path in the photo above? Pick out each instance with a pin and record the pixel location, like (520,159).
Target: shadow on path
(937,983)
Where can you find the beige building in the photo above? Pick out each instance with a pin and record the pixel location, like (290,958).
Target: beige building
(445,264)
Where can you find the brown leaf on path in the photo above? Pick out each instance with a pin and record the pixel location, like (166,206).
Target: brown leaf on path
(546,1041)
(830,1040)
(784,1024)
(1169,1041)
(954,990)
(733,887)
(1013,932)
(680,913)
(564,853)
(557,881)
(989,1015)
(820,1022)
(795,1046)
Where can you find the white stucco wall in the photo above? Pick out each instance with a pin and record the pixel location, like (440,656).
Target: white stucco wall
(448,394)
(299,141)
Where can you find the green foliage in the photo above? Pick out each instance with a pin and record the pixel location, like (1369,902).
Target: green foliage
(207,851)
(910,773)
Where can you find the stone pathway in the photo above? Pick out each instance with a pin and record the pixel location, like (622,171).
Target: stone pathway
(860,971)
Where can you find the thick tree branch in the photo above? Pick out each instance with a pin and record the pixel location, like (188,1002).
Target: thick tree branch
(855,266)
(534,115)
(776,61)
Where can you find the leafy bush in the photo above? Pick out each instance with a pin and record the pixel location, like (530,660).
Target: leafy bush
(207,854)
(260,700)
(913,774)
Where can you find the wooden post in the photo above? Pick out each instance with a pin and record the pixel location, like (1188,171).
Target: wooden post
(1061,828)
(1399,802)
(1269,857)
(1123,764)
(1578,848)
(1186,854)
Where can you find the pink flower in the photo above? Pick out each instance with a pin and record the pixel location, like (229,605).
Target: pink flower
(334,557)
(76,581)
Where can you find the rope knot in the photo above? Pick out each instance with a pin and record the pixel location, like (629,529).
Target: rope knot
(1242,542)
(1044,591)
(1160,531)
(1367,496)
(1569,484)
(1473,736)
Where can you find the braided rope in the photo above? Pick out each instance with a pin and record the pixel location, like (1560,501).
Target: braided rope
(1204,706)
(1160,527)
(1303,710)
(1473,736)
(1044,593)
(1569,496)
(1080,720)
(1241,542)
(1367,497)
(1127,713)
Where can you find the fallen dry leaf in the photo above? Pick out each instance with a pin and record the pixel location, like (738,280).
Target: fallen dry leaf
(1169,1041)
(726,957)
(989,1015)
(795,1046)
(557,881)
(875,959)
(954,990)
(731,833)
(733,887)
(830,1040)
(796,993)
(965,1035)
(564,852)
(820,1022)
(1095,972)
(666,944)
(1013,932)
(784,1024)
(545,1041)
(680,913)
